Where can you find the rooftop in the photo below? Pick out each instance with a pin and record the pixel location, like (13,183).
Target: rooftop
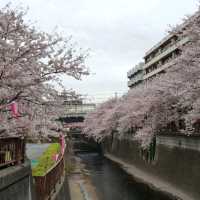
(155,47)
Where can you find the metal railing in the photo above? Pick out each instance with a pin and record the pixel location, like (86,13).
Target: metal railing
(166,52)
(46,185)
(12,151)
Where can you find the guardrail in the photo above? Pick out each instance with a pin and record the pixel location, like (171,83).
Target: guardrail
(12,151)
(46,185)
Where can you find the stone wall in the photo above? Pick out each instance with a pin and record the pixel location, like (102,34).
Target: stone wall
(176,165)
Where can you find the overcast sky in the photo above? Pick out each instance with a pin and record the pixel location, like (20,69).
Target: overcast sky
(118,32)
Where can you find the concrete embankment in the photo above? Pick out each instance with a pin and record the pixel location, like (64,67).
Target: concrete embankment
(16,182)
(153,182)
(62,190)
(174,169)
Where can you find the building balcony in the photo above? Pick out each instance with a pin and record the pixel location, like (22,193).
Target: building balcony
(135,70)
(136,80)
(158,70)
(157,46)
(165,53)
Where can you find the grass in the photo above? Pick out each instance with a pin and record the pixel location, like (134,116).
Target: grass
(45,161)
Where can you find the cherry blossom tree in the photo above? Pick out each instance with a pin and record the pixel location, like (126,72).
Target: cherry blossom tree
(31,63)
(100,123)
(169,103)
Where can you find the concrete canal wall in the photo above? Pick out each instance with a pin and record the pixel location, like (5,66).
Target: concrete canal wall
(173,169)
(62,190)
(16,182)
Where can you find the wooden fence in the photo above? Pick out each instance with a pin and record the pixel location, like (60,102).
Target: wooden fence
(46,185)
(12,151)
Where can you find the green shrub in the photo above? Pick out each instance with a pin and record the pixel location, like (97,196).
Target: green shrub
(45,161)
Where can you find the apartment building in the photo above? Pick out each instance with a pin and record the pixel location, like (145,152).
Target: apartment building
(135,75)
(159,58)
(162,55)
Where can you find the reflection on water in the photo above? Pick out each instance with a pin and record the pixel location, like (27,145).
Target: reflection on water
(112,183)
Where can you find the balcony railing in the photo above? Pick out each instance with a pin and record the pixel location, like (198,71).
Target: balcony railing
(136,79)
(46,185)
(167,52)
(168,37)
(158,70)
(12,151)
(136,69)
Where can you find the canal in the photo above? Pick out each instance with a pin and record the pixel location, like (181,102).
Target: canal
(112,183)
(109,180)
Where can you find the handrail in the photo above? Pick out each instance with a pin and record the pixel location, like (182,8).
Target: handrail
(12,151)
(46,185)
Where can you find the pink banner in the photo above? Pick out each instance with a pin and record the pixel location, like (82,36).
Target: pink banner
(14,109)
(55,157)
(62,143)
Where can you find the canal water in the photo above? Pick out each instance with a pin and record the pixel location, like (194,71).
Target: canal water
(112,183)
